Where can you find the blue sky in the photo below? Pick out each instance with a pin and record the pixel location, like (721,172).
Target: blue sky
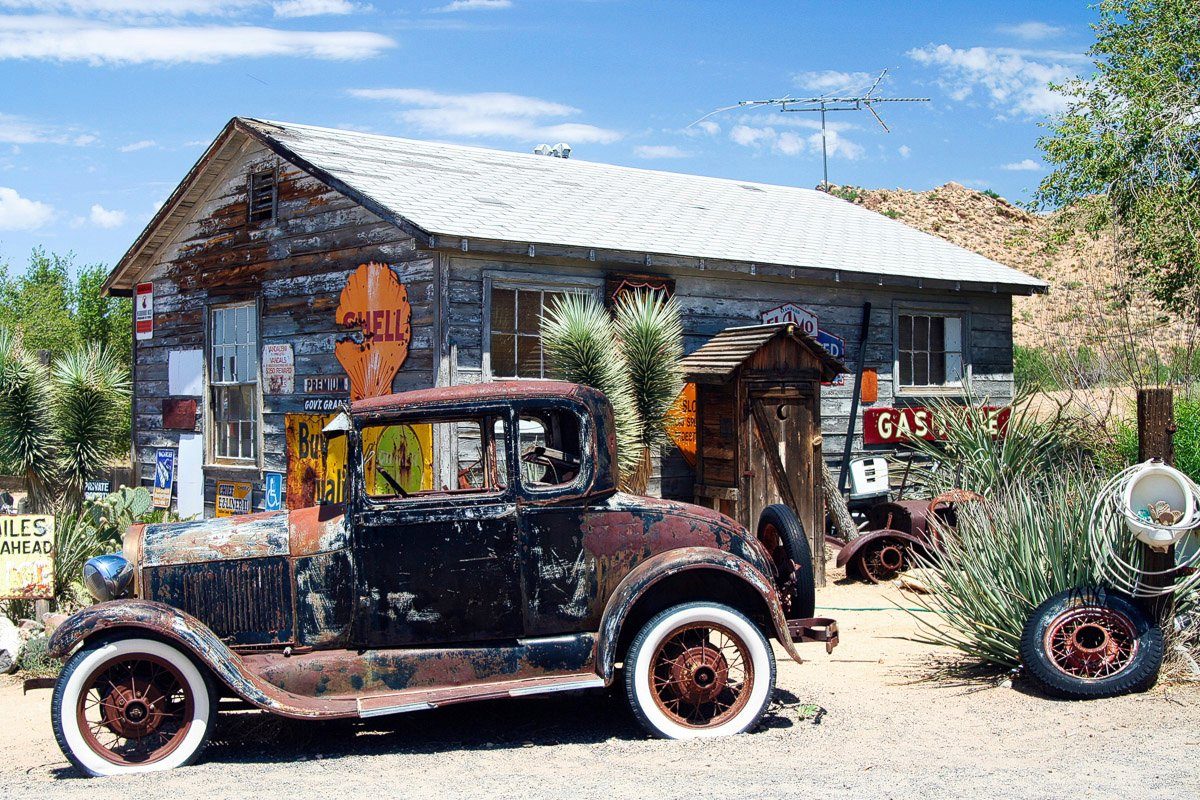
(105,104)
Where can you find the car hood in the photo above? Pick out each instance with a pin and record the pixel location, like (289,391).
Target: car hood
(299,532)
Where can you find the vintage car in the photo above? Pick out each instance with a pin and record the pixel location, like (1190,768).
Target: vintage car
(532,574)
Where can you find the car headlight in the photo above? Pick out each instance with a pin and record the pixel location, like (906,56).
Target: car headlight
(107,577)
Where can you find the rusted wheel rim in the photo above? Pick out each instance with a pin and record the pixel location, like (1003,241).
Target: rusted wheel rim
(884,560)
(1091,642)
(135,709)
(701,675)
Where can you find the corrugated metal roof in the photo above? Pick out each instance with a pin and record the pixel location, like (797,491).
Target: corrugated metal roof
(718,358)
(471,192)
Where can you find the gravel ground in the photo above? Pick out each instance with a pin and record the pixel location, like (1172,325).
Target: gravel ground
(886,730)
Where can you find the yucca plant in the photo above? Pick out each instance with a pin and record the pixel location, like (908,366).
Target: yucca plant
(972,454)
(581,346)
(89,388)
(1007,554)
(28,441)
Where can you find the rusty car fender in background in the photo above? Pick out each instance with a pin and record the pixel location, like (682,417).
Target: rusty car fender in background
(848,551)
(194,637)
(673,562)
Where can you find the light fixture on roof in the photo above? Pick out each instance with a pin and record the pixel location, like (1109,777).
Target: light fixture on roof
(560,150)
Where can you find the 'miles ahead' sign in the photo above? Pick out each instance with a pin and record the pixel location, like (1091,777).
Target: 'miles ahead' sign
(26,557)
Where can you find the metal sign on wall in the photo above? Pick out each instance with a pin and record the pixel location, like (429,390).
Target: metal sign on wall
(143,313)
(682,425)
(233,498)
(164,477)
(892,425)
(799,316)
(279,368)
(26,557)
(373,308)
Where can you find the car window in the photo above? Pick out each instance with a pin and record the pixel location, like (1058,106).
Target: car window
(550,449)
(398,458)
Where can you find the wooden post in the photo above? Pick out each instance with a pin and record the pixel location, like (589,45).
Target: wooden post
(1156,439)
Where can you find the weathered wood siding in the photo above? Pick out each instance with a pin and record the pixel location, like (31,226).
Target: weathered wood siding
(295,267)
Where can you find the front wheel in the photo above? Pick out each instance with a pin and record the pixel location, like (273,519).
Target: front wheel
(698,670)
(131,705)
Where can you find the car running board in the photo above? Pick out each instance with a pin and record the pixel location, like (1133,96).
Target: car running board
(423,699)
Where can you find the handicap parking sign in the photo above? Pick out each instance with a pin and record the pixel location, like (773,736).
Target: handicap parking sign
(273,491)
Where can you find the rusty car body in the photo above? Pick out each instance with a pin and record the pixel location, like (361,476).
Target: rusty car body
(535,575)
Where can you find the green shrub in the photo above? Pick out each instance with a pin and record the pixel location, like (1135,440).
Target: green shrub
(35,661)
(1035,370)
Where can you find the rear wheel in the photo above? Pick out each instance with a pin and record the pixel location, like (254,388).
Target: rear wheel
(131,705)
(699,670)
(883,559)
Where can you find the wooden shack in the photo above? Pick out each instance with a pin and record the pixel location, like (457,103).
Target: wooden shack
(758,425)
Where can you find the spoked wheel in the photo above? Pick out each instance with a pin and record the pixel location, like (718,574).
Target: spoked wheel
(882,560)
(131,705)
(1085,643)
(699,669)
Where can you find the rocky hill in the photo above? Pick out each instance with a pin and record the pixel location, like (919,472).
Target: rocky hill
(1075,310)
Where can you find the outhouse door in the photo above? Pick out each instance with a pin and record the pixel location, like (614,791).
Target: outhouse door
(782,466)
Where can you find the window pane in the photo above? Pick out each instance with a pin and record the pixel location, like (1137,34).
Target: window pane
(550,449)
(529,356)
(920,333)
(906,324)
(401,455)
(500,446)
(921,369)
(954,368)
(529,310)
(953,334)
(504,354)
(937,369)
(906,369)
(504,313)
(937,334)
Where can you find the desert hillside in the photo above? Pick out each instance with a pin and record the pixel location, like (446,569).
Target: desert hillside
(1078,270)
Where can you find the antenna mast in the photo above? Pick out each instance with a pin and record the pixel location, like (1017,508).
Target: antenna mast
(823,104)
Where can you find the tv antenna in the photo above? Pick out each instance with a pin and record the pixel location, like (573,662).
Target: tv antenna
(824,104)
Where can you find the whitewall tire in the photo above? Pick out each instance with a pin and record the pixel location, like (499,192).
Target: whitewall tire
(131,705)
(699,670)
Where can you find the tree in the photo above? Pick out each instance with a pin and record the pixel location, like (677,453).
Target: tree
(1126,153)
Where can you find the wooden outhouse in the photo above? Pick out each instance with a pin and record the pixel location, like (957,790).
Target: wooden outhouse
(758,424)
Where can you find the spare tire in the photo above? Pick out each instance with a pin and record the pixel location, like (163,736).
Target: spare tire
(783,534)
(1090,642)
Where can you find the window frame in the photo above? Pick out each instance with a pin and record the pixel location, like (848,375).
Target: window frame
(254,462)
(527,281)
(944,311)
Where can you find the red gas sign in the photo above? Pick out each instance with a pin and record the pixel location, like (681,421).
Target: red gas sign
(889,425)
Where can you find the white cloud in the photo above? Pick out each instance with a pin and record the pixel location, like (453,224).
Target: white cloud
(133,147)
(790,143)
(20,130)
(497,114)
(64,39)
(830,80)
(1024,165)
(133,8)
(904,150)
(313,8)
(475,5)
(1015,81)
(1031,31)
(19,213)
(102,217)
(660,151)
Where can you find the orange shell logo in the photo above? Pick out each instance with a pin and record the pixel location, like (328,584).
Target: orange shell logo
(374,306)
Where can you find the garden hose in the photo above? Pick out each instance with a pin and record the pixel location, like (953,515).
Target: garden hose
(1114,522)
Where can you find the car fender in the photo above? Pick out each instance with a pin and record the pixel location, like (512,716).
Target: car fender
(673,562)
(850,550)
(197,639)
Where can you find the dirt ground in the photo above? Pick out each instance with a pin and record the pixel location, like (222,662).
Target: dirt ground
(886,731)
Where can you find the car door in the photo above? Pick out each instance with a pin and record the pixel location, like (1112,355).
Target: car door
(437,564)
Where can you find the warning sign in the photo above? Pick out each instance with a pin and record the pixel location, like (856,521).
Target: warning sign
(26,557)
(143,313)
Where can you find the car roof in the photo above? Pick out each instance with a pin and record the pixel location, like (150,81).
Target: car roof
(472,393)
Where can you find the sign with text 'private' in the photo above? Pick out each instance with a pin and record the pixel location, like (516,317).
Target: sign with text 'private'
(26,557)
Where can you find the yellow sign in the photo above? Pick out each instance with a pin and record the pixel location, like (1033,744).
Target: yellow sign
(233,498)
(681,426)
(26,557)
(405,452)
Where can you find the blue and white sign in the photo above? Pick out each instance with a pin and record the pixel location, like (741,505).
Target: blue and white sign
(836,347)
(164,477)
(273,491)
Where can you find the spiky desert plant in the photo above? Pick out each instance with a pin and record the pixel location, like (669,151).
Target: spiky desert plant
(28,440)
(649,328)
(1007,555)
(90,388)
(580,343)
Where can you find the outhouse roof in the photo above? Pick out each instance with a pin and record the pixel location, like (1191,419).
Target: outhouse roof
(716,360)
(452,192)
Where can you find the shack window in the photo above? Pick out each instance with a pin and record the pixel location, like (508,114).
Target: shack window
(233,379)
(550,449)
(398,458)
(516,345)
(929,350)
(262,193)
